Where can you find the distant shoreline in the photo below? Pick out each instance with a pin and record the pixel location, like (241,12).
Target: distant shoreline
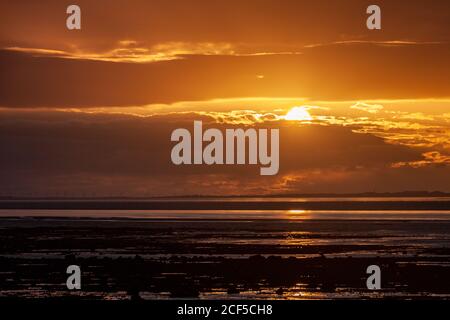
(223,205)
(403,194)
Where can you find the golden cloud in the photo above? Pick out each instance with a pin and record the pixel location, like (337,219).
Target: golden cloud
(371,108)
(430,158)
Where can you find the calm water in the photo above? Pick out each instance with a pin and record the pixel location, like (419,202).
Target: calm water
(237,214)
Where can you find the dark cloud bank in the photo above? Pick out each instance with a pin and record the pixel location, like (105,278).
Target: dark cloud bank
(61,153)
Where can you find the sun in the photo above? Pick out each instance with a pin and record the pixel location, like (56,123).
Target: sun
(298,114)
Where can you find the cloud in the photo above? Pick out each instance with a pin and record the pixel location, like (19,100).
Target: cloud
(91,112)
(432,158)
(271,26)
(371,108)
(78,153)
(375,42)
(131,51)
(36,81)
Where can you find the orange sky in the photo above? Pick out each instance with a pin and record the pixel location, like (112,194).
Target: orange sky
(90,112)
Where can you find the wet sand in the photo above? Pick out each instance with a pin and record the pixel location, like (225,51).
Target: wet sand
(132,258)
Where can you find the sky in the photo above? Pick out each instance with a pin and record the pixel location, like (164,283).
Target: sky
(90,112)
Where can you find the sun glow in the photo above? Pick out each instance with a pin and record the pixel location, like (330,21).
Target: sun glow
(298,114)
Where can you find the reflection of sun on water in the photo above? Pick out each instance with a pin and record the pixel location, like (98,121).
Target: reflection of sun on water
(298,114)
(296,211)
(298,214)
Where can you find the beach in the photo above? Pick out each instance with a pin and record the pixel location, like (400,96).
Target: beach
(225,254)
